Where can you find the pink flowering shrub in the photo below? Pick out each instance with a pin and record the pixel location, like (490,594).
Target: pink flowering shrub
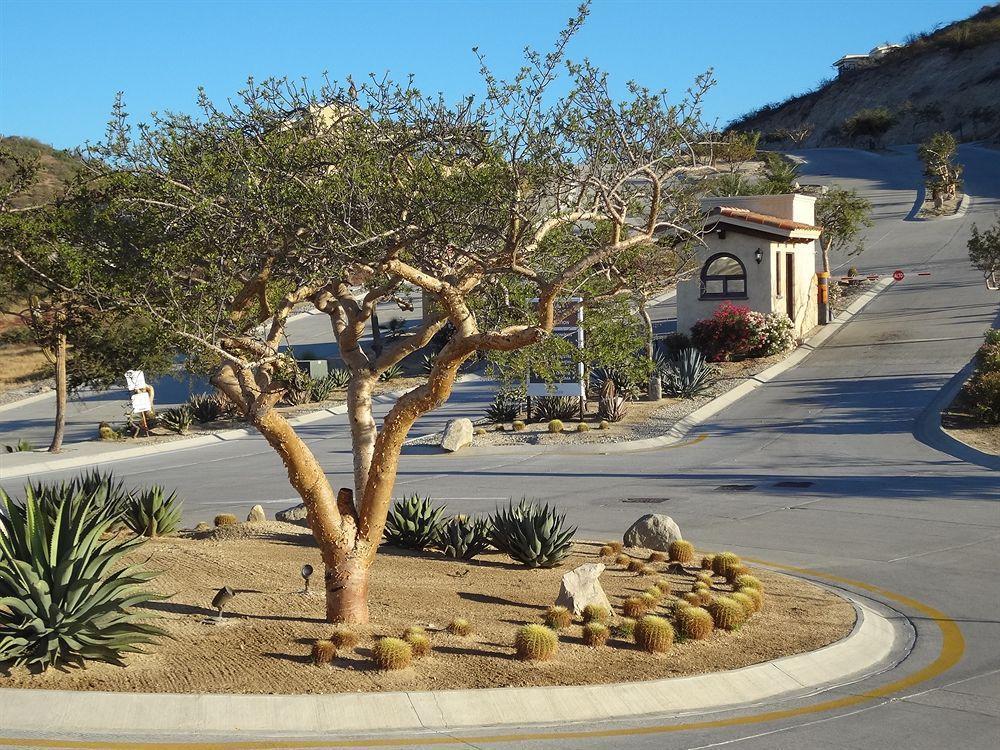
(736,332)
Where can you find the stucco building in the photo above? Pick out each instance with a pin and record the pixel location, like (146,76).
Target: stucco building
(759,251)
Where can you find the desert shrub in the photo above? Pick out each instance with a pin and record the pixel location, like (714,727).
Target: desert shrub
(413,523)
(654,634)
(988,358)
(555,426)
(547,408)
(983,392)
(535,643)
(323,652)
(595,634)
(151,512)
(507,405)
(205,407)
(392,653)
(992,337)
(66,594)
(178,419)
(463,537)
(681,551)
(558,617)
(459,626)
(736,332)
(532,534)
(687,374)
(595,613)
(775,334)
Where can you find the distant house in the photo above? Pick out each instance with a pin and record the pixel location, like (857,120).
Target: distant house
(853,62)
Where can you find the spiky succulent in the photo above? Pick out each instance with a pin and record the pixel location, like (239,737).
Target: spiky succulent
(635,565)
(463,537)
(392,653)
(663,584)
(459,626)
(596,613)
(518,425)
(104,495)
(151,512)
(650,601)
(323,652)
(344,638)
(66,595)
(756,597)
(420,642)
(693,598)
(178,419)
(225,519)
(558,617)
(654,634)
(657,557)
(725,562)
(624,628)
(727,613)
(595,634)
(535,643)
(747,581)
(532,534)
(744,601)
(681,551)
(707,561)
(605,551)
(555,425)
(694,622)
(634,607)
(687,374)
(623,560)
(205,407)
(413,523)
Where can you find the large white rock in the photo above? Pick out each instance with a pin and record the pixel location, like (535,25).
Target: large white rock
(582,586)
(653,531)
(257,514)
(457,434)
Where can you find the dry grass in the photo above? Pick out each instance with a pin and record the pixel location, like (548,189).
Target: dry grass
(21,364)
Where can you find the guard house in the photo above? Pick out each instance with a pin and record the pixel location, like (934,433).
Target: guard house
(759,251)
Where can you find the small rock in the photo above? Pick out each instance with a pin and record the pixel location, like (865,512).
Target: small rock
(457,434)
(653,531)
(582,586)
(202,527)
(257,514)
(296,514)
(479,431)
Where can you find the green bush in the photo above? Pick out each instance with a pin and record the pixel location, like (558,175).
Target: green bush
(983,392)
(151,512)
(532,534)
(686,374)
(988,358)
(413,523)
(66,594)
(463,537)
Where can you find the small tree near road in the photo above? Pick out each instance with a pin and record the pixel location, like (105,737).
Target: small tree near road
(984,252)
(941,173)
(220,225)
(843,214)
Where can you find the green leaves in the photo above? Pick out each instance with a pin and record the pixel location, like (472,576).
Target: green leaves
(532,534)
(413,523)
(151,512)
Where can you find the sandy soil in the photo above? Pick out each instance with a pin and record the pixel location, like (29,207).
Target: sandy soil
(949,208)
(263,645)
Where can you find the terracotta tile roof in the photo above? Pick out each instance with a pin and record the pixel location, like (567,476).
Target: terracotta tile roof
(743,214)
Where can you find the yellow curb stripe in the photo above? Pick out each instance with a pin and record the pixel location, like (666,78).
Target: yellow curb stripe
(952,648)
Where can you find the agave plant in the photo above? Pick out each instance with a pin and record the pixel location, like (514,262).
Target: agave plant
(506,406)
(463,537)
(321,389)
(205,407)
(547,408)
(687,374)
(339,376)
(391,373)
(610,405)
(67,596)
(413,523)
(531,534)
(177,420)
(107,497)
(151,512)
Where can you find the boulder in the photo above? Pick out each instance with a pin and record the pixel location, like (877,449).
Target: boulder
(582,586)
(296,514)
(457,434)
(652,531)
(257,514)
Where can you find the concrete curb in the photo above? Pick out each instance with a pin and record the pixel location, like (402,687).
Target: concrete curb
(870,646)
(61,463)
(680,430)
(928,429)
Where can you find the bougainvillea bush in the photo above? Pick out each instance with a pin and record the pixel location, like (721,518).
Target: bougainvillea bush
(736,332)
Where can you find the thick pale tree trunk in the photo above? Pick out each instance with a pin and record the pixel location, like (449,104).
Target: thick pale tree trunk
(825,246)
(61,388)
(363,430)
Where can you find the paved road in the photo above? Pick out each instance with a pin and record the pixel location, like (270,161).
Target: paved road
(871,502)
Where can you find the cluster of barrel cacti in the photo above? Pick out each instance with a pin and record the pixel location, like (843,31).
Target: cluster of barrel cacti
(419,640)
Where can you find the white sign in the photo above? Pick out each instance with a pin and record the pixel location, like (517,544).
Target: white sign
(135,379)
(141,403)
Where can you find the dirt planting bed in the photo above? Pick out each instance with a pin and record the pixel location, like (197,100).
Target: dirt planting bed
(264,642)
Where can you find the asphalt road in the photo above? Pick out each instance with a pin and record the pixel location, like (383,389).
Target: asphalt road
(868,501)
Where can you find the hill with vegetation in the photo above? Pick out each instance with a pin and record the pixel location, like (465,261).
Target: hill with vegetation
(56,168)
(947,79)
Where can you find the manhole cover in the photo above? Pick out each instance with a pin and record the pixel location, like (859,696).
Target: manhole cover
(645,500)
(794,485)
(735,487)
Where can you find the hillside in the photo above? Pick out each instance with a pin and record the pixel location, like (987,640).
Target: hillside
(948,79)
(55,168)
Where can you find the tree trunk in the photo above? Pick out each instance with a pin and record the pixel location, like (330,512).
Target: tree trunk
(61,387)
(648,327)
(363,430)
(825,246)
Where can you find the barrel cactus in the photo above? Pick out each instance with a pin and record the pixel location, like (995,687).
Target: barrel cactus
(727,613)
(595,613)
(392,653)
(693,598)
(657,557)
(616,546)
(746,581)
(736,571)
(634,607)
(225,519)
(595,634)
(420,642)
(558,617)
(459,626)
(756,597)
(605,551)
(744,601)
(518,425)
(555,425)
(707,561)
(532,534)
(344,638)
(654,592)
(654,634)
(463,538)
(151,512)
(623,560)
(582,427)
(635,565)
(535,643)
(725,562)
(663,584)
(323,652)
(694,622)
(681,551)
(413,523)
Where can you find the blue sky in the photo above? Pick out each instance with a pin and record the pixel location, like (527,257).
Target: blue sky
(62,61)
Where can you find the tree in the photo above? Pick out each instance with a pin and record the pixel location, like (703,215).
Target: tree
(941,174)
(874,123)
(843,214)
(220,225)
(984,251)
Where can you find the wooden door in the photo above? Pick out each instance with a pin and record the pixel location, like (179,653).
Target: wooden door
(790,285)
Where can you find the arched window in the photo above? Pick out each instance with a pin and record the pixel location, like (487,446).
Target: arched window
(723,277)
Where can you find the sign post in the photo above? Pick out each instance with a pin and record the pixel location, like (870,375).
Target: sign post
(142,396)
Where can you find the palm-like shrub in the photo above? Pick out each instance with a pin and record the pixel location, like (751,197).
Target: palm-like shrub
(339,376)
(413,523)
(151,512)
(391,373)
(506,406)
(463,537)
(547,408)
(532,534)
(687,374)
(321,389)
(177,420)
(65,593)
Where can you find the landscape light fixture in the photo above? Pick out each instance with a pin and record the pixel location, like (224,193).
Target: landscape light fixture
(722,233)
(307,570)
(758,255)
(221,599)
